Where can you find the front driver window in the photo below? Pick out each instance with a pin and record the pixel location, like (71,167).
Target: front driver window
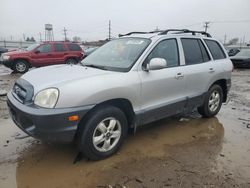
(167,50)
(45,48)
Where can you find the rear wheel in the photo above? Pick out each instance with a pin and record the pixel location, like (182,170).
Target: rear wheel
(103,133)
(212,103)
(20,66)
(71,61)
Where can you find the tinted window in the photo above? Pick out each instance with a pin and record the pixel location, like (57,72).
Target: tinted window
(167,50)
(74,47)
(45,48)
(215,49)
(204,52)
(59,47)
(192,51)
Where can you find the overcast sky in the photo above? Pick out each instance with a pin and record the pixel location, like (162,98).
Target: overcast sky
(89,19)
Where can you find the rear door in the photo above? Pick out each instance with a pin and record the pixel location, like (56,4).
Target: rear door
(42,56)
(59,53)
(199,68)
(163,91)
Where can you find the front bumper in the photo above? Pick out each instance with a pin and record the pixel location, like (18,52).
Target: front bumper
(7,63)
(49,125)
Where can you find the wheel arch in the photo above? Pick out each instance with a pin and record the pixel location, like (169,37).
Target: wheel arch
(223,84)
(70,57)
(123,104)
(23,59)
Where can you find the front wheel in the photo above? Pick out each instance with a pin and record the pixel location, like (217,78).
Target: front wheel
(20,66)
(212,103)
(103,133)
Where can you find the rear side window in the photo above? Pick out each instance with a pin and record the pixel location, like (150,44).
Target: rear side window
(194,51)
(167,50)
(45,48)
(59,47)
(215,49)
(74,47)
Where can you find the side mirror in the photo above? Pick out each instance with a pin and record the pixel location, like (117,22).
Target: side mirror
(37,52)
(157,64)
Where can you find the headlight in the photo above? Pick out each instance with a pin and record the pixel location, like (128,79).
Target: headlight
(6,57)
(47,98)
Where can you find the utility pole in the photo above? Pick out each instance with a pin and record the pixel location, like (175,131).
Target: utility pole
(225,39)
(206,26)
(109,30)
(40,34)
(24,37)
(65,33)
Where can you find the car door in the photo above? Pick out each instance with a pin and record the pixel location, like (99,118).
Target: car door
(42,55)
(59,53)
(163,91)
(199,69)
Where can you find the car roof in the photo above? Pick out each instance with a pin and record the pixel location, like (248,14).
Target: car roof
(168,34)
(53,42)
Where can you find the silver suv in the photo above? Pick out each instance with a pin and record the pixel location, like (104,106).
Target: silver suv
(136,79)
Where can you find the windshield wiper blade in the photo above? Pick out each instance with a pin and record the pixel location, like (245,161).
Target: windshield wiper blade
(95,66)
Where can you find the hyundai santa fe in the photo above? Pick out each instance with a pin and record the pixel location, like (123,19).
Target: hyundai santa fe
(136,79)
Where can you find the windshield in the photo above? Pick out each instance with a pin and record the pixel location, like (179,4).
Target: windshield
(117,55)
(244,52)
(32,47)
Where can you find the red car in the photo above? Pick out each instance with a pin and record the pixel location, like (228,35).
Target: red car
(38,55)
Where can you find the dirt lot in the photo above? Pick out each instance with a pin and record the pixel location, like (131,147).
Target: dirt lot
(179,152)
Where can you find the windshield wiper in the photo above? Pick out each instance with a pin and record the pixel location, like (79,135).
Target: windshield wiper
(95,66)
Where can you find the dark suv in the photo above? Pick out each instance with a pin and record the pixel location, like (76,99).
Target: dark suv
(43,54)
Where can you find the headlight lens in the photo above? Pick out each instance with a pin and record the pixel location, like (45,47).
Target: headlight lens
(6,57)
(47,98)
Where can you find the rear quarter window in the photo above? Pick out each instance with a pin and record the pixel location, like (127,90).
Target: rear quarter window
(215,49)
(74,47)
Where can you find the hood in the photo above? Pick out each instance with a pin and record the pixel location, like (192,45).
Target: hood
(17,52)
(52,76)
(239,57)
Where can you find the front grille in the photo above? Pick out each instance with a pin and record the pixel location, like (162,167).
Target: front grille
(23,91)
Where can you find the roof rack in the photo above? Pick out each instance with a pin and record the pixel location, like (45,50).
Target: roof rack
(138,32)
(165,32)
(178,31)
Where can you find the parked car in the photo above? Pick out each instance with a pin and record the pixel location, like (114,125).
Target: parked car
(242,59)
(136,79)
(38,55)
(90,50)
(3,50)
(233,51)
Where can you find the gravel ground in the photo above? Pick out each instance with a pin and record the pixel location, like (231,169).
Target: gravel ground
(178,152)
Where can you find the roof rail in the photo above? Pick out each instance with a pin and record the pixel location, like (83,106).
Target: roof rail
(184,31)
(138,32)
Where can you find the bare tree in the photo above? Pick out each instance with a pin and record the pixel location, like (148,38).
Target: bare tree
(233,41)
(76,39)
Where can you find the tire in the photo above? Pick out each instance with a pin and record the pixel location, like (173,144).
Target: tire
(212,103)
(71,61)
(99,126)
(20,66)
